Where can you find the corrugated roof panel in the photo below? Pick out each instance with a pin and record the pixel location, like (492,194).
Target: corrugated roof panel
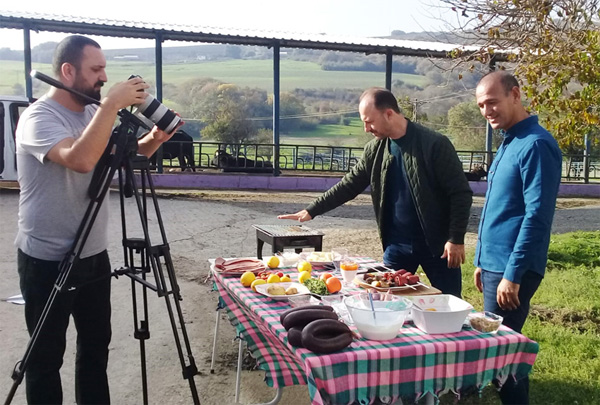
(177,32)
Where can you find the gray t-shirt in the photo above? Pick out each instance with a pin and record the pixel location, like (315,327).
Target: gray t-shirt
(53,199)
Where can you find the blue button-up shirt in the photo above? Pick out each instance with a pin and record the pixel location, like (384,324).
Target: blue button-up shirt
(523,181)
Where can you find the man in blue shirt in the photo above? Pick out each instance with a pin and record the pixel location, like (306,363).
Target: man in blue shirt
(514,231)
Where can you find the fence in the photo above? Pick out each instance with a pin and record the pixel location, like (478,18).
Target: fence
(323,159)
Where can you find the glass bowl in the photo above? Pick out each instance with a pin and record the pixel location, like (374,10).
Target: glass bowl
(384,323)
(485,322)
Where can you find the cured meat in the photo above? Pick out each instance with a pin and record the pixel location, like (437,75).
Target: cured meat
(239,265)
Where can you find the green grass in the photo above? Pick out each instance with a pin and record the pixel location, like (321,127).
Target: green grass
(251,73)
(330,134)
(564,320)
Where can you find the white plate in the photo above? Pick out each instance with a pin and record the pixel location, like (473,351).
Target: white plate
(262,289)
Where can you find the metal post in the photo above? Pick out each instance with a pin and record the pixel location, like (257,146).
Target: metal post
(158,61)
(489,132)
(388,69)
(586,158)
(159,93)
(27,57)
(276,79)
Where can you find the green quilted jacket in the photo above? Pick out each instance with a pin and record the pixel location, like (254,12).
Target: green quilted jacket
(439,188)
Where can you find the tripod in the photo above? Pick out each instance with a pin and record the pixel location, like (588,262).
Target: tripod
(120,156)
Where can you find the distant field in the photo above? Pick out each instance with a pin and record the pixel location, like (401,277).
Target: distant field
(339,135)
(252,73)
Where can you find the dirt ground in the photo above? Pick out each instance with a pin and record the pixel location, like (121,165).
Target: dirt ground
(200,226)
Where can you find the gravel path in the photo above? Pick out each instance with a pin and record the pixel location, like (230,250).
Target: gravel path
(199,226)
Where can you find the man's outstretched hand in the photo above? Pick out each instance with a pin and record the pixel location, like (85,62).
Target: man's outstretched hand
(300,216)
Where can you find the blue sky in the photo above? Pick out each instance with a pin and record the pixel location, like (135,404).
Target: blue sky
(362,18)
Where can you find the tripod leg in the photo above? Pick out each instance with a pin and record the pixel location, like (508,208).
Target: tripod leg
(166,285)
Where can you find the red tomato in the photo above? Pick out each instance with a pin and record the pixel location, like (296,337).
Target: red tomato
(326,276)
(280,274)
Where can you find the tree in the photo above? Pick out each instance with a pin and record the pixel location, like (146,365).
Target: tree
(554,49)
(225,116)
(410,109)
(467,127)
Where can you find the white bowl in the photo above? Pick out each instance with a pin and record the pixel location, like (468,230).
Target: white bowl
(443,313)
(385,322)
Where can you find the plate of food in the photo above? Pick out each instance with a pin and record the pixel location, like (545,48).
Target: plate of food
(239,265)
(399,280)
(318,258)
(282,291)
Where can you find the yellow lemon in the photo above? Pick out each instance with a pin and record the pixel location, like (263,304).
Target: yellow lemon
(304,275)
(273,278)
(304,266)
(273,262)
(247,278)
(257,282)
(286,279)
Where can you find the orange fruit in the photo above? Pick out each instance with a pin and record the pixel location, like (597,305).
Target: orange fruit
(349,265)
(333,285)
(325,276)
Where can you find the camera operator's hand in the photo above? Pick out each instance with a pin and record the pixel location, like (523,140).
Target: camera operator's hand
(149,143)
(124,94)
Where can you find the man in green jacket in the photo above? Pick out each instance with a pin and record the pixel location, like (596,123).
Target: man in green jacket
(420,194)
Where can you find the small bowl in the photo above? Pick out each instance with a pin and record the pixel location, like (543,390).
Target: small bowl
(485,322)
(385,322)
(332,300)
(302,300)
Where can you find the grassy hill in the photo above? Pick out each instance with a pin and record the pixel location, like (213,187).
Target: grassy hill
(251,73)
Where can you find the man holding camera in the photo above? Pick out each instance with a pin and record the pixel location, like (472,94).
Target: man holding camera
(60,139)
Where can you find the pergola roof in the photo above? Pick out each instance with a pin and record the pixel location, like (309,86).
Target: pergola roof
(192,33)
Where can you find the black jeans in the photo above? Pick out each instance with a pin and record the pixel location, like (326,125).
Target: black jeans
(512,392)
(89,303)
(407,257)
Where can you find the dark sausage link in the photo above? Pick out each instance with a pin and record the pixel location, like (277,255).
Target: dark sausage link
(289,311)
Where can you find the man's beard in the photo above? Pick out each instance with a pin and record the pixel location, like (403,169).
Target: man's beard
(88,91)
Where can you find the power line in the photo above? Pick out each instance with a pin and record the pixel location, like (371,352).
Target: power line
(296,116)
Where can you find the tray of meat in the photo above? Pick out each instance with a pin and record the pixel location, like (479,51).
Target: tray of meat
(398,280)
(239,265)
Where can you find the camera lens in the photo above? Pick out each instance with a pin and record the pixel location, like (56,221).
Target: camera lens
(160,115)
(156,112)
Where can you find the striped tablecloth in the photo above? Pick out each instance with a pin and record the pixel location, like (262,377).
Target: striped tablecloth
(409,366)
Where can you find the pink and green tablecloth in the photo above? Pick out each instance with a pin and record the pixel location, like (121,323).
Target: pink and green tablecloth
(409,366)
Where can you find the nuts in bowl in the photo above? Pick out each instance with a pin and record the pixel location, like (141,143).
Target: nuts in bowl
(485,322)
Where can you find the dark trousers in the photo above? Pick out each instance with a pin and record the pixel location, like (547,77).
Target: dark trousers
(512,392)
(89,303)
(409,257)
